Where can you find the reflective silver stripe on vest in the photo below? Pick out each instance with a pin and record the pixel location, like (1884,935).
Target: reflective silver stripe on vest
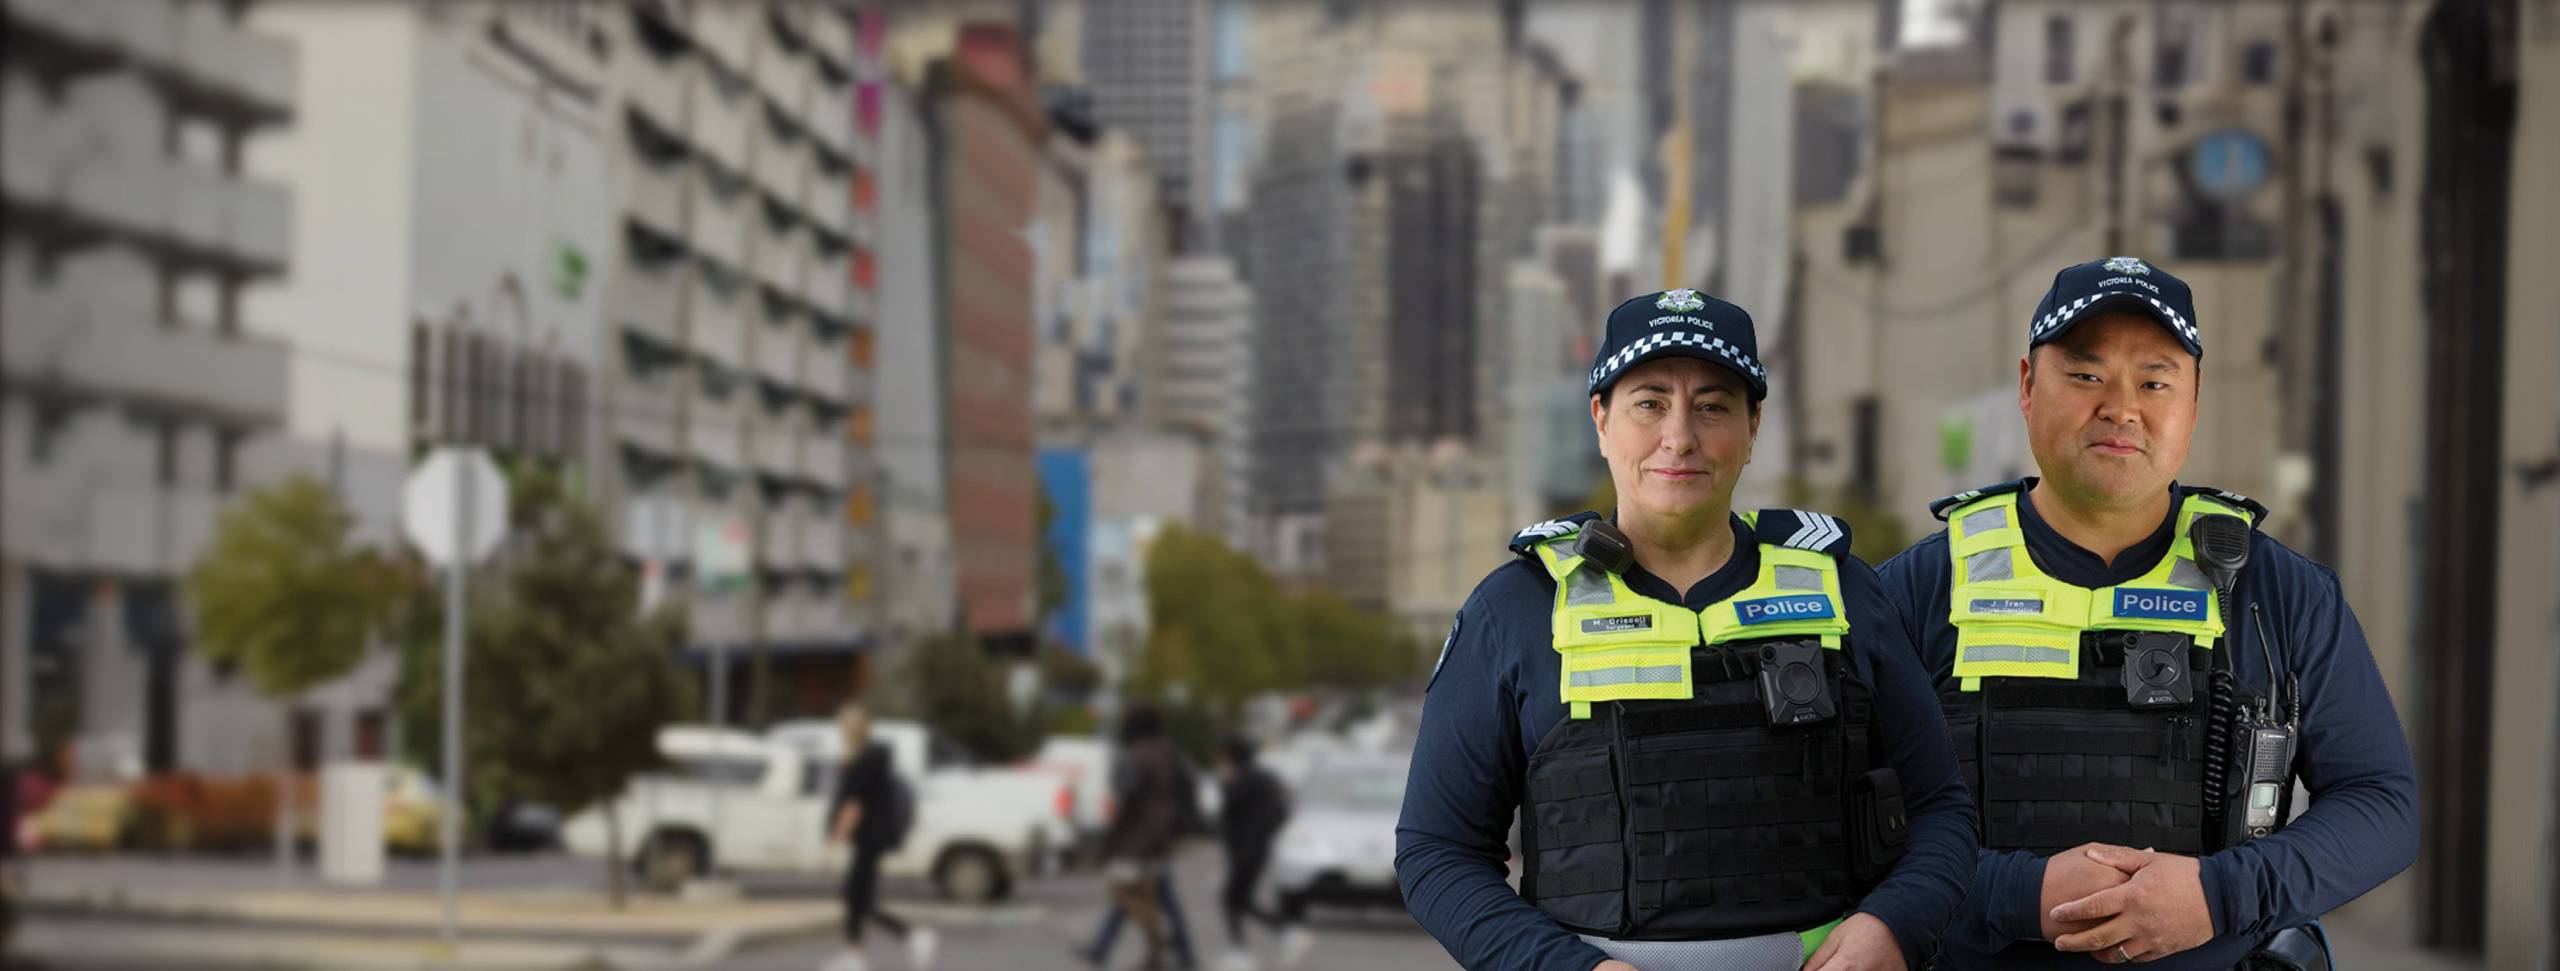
(1587,585)
(1988,565)
(2185,573)
(1985,520)
(1612,677)
(1798,578)
(1767,952)
(2016,652)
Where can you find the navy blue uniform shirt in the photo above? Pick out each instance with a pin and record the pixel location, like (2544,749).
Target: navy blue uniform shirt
(2362,823)
(1494,696)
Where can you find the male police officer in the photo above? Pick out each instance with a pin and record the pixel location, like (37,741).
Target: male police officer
(2132,674)
(1708,724)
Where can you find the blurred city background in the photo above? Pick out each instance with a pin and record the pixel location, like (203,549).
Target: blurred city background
(1038,359)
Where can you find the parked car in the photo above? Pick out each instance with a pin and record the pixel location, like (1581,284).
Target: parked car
(1084,762)
(744,801)
(1340,844)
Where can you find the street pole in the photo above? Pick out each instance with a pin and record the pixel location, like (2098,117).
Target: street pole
(449,876)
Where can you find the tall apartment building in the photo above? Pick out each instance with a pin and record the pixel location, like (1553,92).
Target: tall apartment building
(134,379)
(734,380)
(990,131)
(1146,66)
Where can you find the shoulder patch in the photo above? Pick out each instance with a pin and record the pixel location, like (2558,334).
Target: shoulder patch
(2257,511)
(1940,507)
(1529,537)
(1802,529)
(1445,644)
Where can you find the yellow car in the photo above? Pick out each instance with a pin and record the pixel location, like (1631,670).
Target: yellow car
(412,812)
(92,818)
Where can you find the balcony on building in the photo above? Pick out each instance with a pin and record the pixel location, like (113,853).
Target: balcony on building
(724,109)
(197,53)
(781,56)
(725,30)
(97,330)
(826,275)
(822,458)
(716,309)
(715,416)
(721,205)
(777,340)
(776,244)
(648,290)
(773,432)
(781,156)
(648,400)
(654,173)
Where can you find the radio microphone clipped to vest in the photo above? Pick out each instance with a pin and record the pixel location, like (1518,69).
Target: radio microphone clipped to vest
(2222,548)
(1603,545)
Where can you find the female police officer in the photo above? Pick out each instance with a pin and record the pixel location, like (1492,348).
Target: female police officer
(1711,725)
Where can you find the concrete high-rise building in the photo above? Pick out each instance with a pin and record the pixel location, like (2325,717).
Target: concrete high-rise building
(913,573)
(990,131)
(1199,382)
(135,377)
(1146,65)
(736,312)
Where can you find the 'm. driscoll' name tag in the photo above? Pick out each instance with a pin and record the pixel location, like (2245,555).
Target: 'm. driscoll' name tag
(1617,625)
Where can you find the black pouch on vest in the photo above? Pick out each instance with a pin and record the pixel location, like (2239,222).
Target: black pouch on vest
(1878,830)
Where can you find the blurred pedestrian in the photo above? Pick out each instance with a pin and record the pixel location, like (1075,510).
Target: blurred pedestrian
(1154,804)
(1253,806)
(2134,675)
(870,815)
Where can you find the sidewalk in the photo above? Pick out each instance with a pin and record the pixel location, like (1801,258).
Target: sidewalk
(539,914)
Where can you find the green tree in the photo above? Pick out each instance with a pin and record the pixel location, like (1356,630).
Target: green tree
(566,683)
(1216,623)
(1350,649)
(960,692)
(283,596)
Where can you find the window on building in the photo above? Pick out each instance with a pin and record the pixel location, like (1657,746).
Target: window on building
(226,459)
(2057,50)
(165,435)
(51,419)
(2169,60)
(450,379)
(422,349)
(2258,62)
(573,411)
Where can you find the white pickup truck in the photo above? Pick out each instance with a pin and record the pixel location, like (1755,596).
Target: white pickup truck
(748,802)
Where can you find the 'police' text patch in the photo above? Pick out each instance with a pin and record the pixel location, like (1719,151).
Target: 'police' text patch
(2160,604)
(1772,609)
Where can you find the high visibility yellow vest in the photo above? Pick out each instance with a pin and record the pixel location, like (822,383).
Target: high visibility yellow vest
(1620,645)
(2013,620)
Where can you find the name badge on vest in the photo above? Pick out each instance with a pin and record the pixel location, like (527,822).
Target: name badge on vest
(2160,604)
(1772,609)
(1617,625)
(2008,605)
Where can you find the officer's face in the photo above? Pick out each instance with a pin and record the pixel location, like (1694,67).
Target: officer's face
(1676,432)
(2110,407)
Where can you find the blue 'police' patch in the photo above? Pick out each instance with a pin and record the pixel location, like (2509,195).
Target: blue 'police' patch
(1807,606)
(2160,604)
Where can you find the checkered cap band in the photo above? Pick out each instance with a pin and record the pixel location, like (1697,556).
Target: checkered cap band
(1652,342)
(2046,325)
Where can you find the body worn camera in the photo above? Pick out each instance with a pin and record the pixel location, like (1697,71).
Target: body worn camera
(2156,673)
(1793,685)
